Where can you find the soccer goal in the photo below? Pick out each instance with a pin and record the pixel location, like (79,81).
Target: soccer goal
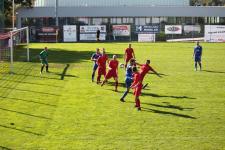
(14,46)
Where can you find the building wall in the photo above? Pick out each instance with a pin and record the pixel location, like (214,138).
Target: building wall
(91,3)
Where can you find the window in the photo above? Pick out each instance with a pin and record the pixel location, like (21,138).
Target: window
(83,20)
(96,21)
(140,21)
(128,20)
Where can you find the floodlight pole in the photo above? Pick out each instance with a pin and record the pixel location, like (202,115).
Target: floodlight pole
(11,51)
(28,49)
(13,15)
(56,13)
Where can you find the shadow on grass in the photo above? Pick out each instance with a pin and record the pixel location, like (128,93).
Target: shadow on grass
(22,113)
(167,113)
(35,76)
(14,128)
(113,84)
(57,55)
(29,101)
(161,74)
(168,105)
(63,74)
(4,148)
(167,96)
(211,71)
(44,93)
(32,83)
(113,90)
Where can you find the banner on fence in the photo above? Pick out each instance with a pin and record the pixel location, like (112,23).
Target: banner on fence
(92,37)
(173,29)
(121,30)
(214,33)
(192,28)
(146,37)
(88,33)
(93,29)
(152,29)
(70,33)
(48,34)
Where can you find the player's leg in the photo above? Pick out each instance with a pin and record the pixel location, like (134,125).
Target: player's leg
(42,68)
(107,76)
(200,64)
(93,73)
(137,94)
(196,67)
(124,95)
(99,75)
(104,81)
(136,101)
(42,65)
(138,104)
(128,84)
(46,66)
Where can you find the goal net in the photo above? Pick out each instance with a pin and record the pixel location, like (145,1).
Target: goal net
(14,47)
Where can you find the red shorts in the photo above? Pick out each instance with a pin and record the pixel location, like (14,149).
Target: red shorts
(137,90)
(110,74)
(128,59)
(101,71)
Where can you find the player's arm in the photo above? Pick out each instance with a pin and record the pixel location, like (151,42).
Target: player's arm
(138,64)
(41,55)
(92,58)
(194,53)
(155,72)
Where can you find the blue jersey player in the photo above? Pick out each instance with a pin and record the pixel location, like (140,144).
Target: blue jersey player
(94,58)
(197,56)
(129,78)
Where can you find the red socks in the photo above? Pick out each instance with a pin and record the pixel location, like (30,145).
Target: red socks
(138,103)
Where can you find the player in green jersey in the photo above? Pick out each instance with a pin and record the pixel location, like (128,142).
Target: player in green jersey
(43,58)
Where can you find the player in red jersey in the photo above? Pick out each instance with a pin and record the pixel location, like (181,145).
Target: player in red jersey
(129,53)
(137,86)
(113,71)
(102,65)
(145,68)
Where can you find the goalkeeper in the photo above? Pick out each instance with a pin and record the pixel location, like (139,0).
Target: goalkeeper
(43,58)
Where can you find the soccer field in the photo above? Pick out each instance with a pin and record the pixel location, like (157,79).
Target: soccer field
(64,110)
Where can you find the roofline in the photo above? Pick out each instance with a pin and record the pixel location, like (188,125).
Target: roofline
(156,11)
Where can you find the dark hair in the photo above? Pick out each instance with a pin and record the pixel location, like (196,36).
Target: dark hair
(134,69)
(148,61)
(132,60)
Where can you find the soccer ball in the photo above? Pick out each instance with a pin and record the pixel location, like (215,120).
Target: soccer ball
(121,65)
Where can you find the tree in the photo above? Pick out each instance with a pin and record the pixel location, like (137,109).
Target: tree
(207,2)
(18,3)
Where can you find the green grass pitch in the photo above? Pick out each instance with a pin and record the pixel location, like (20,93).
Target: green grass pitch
(64,110)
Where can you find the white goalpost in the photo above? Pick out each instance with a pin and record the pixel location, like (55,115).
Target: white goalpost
(17,38)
